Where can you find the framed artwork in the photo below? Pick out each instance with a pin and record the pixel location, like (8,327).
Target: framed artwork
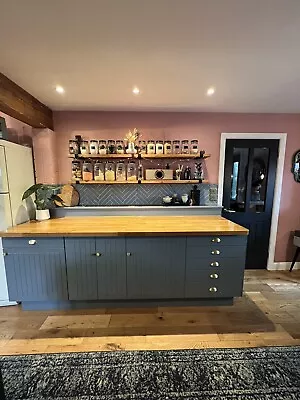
(296,166)
(3,129)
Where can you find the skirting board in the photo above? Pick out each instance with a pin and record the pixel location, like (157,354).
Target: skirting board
(283,266)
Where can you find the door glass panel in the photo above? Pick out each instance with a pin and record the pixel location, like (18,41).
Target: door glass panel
(259,179)
(239,179)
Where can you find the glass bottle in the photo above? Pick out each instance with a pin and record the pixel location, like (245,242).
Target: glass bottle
(131,171)
(140,172)
(168,147)
(99,171)
(143,146)
(84,147)
(94,146)
(73,147)
(159,147)
(120,147)
(120,171)
(194,147)
(87,171)
(185,148)
(151,147)
(76,170)
(110,171)
(102,147)
(176,147)
(111,147)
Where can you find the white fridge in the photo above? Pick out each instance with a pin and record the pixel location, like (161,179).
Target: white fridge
(16,175)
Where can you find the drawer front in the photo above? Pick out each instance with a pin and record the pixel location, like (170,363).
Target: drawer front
(33,243)
(202,264)
(218,240)
(215,253)
(214,284)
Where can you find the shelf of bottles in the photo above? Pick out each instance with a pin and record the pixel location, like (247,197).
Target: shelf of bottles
(140,181)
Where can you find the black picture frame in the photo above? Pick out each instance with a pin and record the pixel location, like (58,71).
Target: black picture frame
(296,166)
(3,129)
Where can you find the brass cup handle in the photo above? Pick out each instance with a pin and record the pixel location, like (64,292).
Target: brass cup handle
(213,289)
(215,252)
(215,264)
(98,254)
(32,242)
(128,254)
(216,240)
(214,276)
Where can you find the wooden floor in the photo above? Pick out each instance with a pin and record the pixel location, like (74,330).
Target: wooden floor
(268,314)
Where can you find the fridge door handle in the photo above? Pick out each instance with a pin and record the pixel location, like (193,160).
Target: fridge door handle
(3,172)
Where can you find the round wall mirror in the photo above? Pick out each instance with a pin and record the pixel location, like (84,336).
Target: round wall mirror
(296,166)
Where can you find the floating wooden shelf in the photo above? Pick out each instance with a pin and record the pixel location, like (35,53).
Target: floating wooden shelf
(142,156)
(164,181)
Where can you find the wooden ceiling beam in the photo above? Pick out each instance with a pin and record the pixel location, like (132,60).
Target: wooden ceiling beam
(19,104)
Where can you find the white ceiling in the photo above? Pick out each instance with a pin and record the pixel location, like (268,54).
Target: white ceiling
(173,50)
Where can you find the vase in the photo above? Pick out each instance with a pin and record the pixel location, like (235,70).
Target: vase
(42,215)
(131,148)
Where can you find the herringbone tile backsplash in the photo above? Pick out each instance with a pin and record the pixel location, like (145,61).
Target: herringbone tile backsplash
(140,195)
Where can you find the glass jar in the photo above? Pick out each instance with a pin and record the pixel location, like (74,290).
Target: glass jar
(99,171)
(84,147)
(102,147)
(94,146)
(185,148)
(120,171)
(168,147)
(76,170)
(159,147)
(140,172)
(151,147)
(143,146)
(87,171)
(194,147)
(111,147)
(131,171)
(110,171)
(73,147)
(120,147)
(176,147)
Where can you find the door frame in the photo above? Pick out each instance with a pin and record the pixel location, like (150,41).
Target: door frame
(282,137)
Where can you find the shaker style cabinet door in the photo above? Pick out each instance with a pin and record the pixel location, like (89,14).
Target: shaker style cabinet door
(36,276)
(96,268)
(155,267)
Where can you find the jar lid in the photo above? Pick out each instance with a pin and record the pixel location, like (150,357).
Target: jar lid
(151,141)
(102,141)
(185,141)
(194,141)
(176,141)
(111,140)
(160,141)
(167,141)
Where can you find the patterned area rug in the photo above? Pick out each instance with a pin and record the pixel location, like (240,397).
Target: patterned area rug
(219,374)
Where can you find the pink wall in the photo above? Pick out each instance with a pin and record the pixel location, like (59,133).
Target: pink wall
(207,128)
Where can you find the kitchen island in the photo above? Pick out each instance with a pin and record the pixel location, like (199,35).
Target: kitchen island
(76,262)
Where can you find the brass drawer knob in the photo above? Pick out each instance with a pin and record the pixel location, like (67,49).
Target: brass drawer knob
(32,242)
(128,254)
(213,289)
(214,276)
(215,264)
(215,252)
(5,254)
(216,240)
(98,254)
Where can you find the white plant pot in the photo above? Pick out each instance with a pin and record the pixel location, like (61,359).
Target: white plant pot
(42,215)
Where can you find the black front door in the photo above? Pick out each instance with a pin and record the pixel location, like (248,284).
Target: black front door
(249,182)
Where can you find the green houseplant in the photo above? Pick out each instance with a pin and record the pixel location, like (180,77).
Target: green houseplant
(45,196)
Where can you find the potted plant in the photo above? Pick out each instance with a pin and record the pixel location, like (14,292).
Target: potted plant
(45,196)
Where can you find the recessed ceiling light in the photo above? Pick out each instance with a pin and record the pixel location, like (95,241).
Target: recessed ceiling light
(60,89)
(210,91)
(136,90)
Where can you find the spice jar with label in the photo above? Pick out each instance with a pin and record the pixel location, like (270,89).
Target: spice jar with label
(120,171)
(151,147)
(142,146)
(102,147)
(110,171)
(111,147)
(87,171)
(168,147)
(159,147)
(76,170)
(131,171)
(84,147)
(99,171)
(120,147)
(185,148)
(194,147)
(176,147)
(73,147)
(94,146)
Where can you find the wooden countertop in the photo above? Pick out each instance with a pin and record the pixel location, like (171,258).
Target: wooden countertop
(128,226)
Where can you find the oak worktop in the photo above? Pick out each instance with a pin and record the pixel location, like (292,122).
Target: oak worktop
(127,226)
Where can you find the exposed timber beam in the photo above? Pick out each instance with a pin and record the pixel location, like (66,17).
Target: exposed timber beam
(18,103)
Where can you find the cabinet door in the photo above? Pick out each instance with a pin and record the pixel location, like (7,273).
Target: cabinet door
(111,268)
(155,267)
(81,268)
(36,276)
